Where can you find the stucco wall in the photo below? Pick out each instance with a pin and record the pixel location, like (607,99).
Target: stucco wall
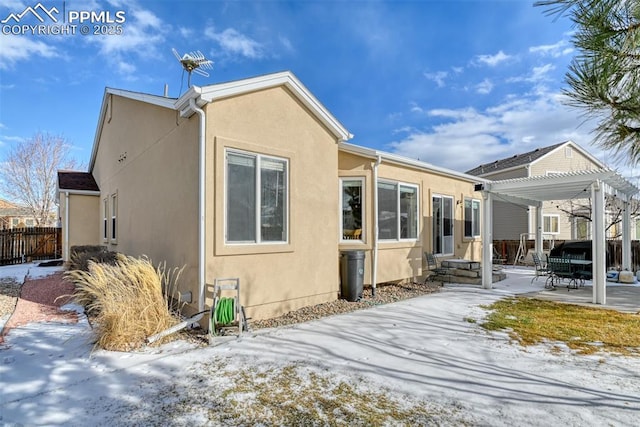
(404,259)
(82,213)
(147,157)
(276,278)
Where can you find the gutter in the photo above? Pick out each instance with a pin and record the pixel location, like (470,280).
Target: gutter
(201,203)
(374,266)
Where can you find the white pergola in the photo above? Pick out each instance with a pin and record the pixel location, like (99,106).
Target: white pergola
(533,191)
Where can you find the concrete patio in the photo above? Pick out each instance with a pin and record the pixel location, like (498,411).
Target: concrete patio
(621,297)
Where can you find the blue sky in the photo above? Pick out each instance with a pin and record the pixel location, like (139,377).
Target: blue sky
(455,83)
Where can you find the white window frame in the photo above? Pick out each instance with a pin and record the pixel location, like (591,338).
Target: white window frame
(398,185)
(105,219)
(576,221)
(362,203)
(114,218)
(259,157)
(453,228)
(544,230)
(568,152)
(475,228)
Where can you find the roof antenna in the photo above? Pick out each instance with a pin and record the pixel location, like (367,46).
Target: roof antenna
(193,62)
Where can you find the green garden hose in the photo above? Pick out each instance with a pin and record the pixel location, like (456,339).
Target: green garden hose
(225,312)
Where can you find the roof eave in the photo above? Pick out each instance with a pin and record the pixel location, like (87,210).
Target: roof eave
(405,161)
(582,151)
(287,79)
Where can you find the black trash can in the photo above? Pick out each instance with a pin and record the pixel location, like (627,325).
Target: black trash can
(352,275)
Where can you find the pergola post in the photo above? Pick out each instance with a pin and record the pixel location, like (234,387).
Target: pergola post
(598,244)
(626,236)
(539,223)
(487,240)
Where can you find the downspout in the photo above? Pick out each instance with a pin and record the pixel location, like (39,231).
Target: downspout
(374,267)
(66,226)
(201,204)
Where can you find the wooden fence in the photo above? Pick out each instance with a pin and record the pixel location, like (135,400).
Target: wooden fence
(18,245)
(509,248)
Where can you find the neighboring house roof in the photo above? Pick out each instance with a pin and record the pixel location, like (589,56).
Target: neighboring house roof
(200,96)
(524,159)
(406,161)
(8,208)
(76,181)
(7,204)
(16,212)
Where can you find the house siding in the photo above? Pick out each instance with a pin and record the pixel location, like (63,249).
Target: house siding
(401,260)
(148,157)
(276,278)
(509,220)
(82,213)
(558,161)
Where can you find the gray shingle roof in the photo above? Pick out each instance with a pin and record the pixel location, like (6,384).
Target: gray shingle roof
(513,161)
(79,181)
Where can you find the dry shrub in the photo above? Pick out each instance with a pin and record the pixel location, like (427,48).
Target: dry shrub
(81,255)
(126,299)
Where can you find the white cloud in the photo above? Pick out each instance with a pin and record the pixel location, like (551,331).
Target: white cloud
(485,87)
(537,75)
(492,60)
(465,138)
(233,42)
(22,48)
(286,44)
(438,77)
(143,32)
(186,32)
(457,70)
(555,50)
(126,68)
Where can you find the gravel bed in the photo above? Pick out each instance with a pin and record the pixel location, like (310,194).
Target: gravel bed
(9,291)
(385,293)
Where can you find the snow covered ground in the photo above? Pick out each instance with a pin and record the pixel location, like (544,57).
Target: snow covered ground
(427,349)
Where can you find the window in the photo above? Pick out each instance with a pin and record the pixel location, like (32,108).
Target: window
(442,225)
(256,198)
(15,222)
(114,215)
(583,228)
(613,231)
(30,222)
(471,218)
(568,152)
(397,211)
(551,224)
(352,200)
(105,221)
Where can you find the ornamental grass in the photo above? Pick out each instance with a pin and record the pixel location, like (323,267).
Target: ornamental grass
(128,300)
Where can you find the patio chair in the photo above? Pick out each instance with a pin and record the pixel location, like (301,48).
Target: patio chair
(541,268)
(433,267)
(560,269)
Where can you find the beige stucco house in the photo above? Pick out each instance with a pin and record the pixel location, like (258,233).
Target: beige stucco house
(562,219)
(254,179)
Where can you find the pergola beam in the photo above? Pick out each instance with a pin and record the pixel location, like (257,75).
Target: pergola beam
(532,191)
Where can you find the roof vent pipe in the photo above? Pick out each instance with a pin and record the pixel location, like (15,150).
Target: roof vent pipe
(166,90)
